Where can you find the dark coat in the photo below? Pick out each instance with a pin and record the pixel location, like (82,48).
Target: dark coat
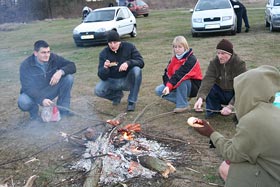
(127,52)
(33,79)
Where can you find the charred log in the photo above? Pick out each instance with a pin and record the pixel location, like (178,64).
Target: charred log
(156,164)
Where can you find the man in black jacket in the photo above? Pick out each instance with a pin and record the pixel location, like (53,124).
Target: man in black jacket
(241,13)
(120,69)
(43,77)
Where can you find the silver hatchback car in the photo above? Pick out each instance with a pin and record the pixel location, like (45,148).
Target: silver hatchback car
(272,15)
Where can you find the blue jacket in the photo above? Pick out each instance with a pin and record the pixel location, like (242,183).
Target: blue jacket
(33,79)
(127,52)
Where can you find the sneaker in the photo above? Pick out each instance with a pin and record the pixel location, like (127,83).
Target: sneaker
(117,100)
(131,107)
(66,114)
(180,110)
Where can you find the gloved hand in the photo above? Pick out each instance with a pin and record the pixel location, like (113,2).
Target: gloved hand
(206,130)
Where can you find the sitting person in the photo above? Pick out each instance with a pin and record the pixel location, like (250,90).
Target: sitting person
(182,76)
(43,77)
(120,69)
(217,84)
(252,154)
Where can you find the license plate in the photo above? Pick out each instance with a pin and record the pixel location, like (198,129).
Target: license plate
(213,26)
(83,37)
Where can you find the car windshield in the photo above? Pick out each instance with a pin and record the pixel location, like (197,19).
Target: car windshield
(101,15)
(277,3)
(140,3)
(212,4)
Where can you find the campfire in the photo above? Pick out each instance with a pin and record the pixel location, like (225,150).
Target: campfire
(121,154)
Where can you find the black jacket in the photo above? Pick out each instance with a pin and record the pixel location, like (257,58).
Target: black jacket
(127,52)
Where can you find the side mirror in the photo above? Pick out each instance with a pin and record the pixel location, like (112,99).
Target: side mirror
(191,10)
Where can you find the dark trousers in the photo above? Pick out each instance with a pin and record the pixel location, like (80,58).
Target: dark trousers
(242,14)
(216,98)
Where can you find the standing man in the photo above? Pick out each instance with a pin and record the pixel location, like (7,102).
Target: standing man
(217,84)
(119,69)
(43,77)
(241,13)
(252,154)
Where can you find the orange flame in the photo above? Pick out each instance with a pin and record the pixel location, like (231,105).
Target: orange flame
(127,136)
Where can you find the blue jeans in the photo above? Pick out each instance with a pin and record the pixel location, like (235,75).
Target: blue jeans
(216,98)
(179,96)
(112,88)
(62,90)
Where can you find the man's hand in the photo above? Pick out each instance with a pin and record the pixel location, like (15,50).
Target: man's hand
(123,67)
(227,110)
(107,64)
(165,91)
(56,77)
(47,102)
(206,130)
(198,104)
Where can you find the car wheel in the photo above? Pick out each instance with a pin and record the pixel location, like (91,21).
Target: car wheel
(194,34)
(78,44)
(233,32)
(146,15)
(134,32)
(271,28)
(266,23)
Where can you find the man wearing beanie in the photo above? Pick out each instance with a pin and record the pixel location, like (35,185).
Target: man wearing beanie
(217,85)
(120,69)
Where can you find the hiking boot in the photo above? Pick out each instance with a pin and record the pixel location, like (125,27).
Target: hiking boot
(131,107)
(180,110)
(247,29)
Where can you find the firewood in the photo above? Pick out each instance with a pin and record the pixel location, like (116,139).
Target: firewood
(156,164)
(94,174)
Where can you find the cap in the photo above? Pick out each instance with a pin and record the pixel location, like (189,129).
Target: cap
(225,45)
(113,36)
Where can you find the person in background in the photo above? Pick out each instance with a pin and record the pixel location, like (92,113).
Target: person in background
(43,77)
(217,84)
(120,69)
(252,154)
(182,76)
(241,13)
(86,11)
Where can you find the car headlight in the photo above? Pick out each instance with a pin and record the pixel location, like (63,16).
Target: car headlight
(101,30)
(226,18)
(197,20)
(75,31)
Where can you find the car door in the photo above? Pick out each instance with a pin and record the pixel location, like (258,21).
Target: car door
(124,21)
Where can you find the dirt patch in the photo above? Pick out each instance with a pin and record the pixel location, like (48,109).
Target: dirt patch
(34,148)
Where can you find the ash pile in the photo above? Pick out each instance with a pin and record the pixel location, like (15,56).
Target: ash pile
(123,153)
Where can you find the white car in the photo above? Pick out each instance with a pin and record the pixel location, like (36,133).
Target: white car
(272,15)
(210,16)
(94,28)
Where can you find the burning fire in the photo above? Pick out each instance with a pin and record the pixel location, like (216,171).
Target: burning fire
(128,136)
